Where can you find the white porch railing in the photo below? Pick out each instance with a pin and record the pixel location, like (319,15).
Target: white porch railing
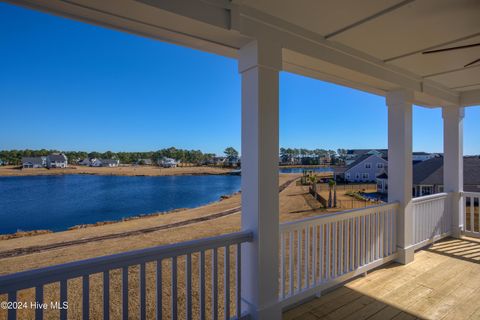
(319,252)
(37,279)
(471,214)
(432,220)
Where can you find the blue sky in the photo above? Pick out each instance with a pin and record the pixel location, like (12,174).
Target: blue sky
(72,86)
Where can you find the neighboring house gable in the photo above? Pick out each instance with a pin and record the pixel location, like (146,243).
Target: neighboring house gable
(365,168)
(85,162)
(94,162)
(34,162)
(167,162)
(57,161)
(109,162)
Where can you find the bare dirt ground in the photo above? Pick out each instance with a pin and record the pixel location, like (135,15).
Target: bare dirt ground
(346,202)
(115,171)
(295,203)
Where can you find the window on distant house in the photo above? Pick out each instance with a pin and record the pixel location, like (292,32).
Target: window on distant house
(347,175)
(357,176)
(379,165)
(365,176)
(368,165)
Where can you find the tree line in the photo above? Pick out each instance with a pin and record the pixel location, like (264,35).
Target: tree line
(309,156)
(304,156)
(14,157)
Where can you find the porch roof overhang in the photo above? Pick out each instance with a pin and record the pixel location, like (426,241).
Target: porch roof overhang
(371,45)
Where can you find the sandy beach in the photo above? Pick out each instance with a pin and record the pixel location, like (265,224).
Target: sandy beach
(115,171)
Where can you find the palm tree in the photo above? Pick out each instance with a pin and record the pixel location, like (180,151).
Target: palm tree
(331,185)
(334,193)
(312,178)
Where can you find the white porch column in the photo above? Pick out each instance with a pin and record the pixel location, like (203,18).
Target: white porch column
(259,65)
(399,104)
(453,163)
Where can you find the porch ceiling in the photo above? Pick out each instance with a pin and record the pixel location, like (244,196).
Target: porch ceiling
(369,45)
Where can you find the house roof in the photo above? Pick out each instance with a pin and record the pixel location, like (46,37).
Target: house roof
(359,152)
(420,153)
(430,172)
(361,159)
(57,157)
(339,169)
(33,160)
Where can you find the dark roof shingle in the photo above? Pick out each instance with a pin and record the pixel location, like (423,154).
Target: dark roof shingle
(430,172)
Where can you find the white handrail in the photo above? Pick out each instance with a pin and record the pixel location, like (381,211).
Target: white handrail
(319,252)
(471,213)
(432,219)
(430,197)
(470,194)
(38,278)
(337,216)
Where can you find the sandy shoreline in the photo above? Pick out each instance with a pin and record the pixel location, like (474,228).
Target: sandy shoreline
(11,171)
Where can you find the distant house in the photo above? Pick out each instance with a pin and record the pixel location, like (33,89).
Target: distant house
(34,162)
(144,162)
(365,169)
(57,160)
(209,161)
(219,161)
(422,156)
(232,161)
(85,162)
(109,162)
(167,162)
(339,173)
(290,159)
(94,162)
(1,162)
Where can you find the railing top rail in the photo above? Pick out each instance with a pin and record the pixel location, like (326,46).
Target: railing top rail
(430,197)
(32,278)
(471,194)
(337,216)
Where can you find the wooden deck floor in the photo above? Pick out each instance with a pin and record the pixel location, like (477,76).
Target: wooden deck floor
(443,282)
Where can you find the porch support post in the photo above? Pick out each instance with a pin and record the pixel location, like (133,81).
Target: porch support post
(399,104)
(259,64)
(453,163)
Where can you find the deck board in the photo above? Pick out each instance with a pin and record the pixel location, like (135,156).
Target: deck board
(443,282)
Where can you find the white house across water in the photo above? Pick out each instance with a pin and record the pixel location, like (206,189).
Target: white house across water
(419,52)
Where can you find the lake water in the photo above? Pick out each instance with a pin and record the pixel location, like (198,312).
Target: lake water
(300,170)
(59,202)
